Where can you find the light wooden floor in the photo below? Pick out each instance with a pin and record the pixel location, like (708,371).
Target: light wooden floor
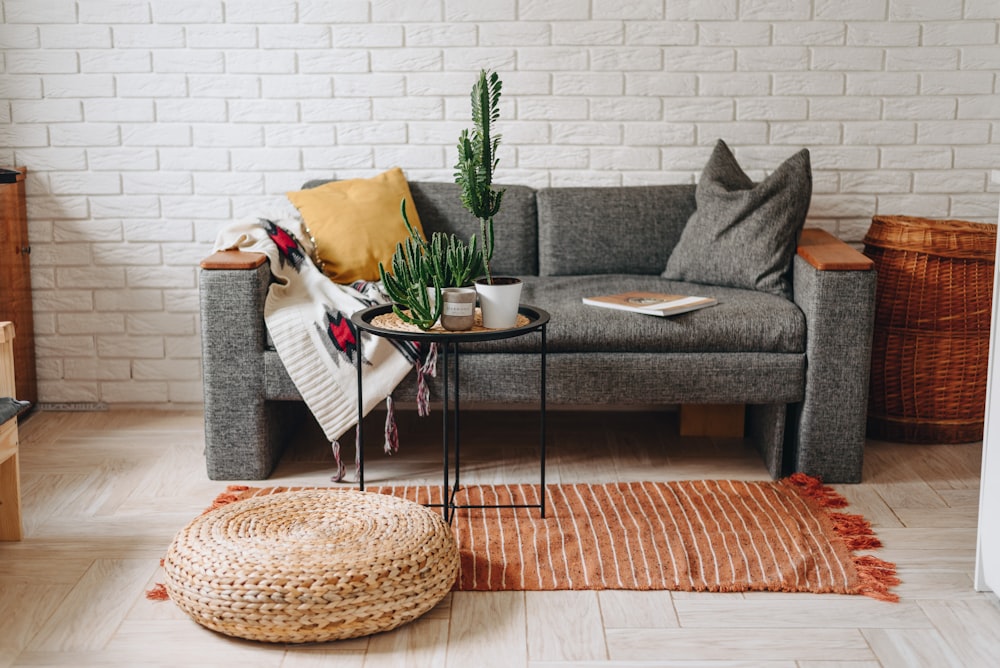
(104,493)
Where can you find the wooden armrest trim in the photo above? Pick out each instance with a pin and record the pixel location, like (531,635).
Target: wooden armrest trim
(233,259)
(828,253)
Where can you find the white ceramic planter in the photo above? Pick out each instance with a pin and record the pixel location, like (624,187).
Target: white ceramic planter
(499,301)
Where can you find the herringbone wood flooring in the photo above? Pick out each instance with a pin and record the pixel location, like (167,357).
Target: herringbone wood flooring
(105,492)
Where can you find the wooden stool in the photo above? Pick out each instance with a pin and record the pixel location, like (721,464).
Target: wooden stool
(10,478)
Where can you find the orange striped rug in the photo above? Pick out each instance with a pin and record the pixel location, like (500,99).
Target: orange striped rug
(703,535)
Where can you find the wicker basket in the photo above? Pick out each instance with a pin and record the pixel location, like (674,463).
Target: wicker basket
(932,328)
(311,566)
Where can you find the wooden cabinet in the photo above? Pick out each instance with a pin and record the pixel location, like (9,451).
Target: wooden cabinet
(15,281)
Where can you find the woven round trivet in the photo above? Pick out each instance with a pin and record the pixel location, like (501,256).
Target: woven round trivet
(392,321)
(311,566)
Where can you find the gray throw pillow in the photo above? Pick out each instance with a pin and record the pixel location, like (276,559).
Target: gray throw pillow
(743,234)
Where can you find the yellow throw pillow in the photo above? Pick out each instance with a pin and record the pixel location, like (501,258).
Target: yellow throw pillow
(356,223)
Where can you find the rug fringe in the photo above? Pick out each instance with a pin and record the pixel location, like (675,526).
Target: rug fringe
(813,488)
(876,575)
(855,530)
(229,496)
(236,493)
(158,593)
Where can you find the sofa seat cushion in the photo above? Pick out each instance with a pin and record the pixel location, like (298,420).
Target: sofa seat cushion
(744,321)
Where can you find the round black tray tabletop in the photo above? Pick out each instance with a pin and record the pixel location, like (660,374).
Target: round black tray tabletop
(537,318)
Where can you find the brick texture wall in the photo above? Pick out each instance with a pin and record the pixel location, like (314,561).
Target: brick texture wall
(149,124)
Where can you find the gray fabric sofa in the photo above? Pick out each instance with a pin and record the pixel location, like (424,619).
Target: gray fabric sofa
(800,366)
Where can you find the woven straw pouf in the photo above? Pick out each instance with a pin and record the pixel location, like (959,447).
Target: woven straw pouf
(311,566)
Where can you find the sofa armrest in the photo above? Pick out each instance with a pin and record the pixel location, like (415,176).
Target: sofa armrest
(233,259)
(826,252)
(826,435)
(233,339)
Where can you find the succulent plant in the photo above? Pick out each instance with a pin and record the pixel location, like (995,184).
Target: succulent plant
(418,264)
(412,274)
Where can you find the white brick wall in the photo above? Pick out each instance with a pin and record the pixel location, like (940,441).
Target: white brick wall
(148,125)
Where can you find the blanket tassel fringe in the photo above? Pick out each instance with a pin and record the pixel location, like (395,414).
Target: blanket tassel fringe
(425,369)
(391,430)
(391,444)
(341,469)
(876,575)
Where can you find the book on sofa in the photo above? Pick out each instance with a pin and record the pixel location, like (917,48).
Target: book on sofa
(651,303)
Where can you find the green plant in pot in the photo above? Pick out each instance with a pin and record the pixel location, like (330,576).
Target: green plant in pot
(430,279)
(477,149)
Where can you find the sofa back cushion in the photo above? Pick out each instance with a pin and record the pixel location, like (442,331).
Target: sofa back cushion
(743,234)
(514,228)
(356,223)
(610,230)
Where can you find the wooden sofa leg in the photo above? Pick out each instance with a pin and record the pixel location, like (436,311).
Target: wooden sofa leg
(722,420)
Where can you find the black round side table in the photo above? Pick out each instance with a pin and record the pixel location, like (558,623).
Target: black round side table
(537,321)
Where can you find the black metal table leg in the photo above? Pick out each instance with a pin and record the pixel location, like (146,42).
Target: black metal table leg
(542,425)
(445,442)
(458,433)
(359,433)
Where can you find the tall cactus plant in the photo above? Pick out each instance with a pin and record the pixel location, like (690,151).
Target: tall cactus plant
(477,160)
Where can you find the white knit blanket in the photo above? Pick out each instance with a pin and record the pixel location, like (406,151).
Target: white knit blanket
(309,319)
